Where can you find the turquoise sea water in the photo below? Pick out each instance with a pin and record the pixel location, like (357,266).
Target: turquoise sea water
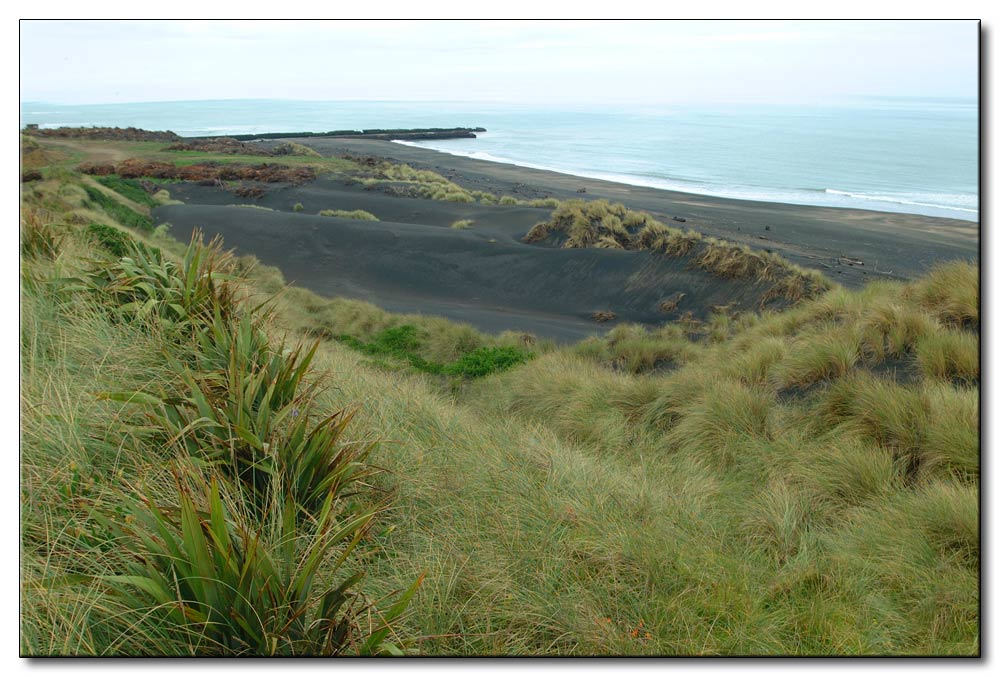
(899,155)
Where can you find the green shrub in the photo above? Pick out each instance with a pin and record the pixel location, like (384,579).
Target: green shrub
(403,342)
(116,242)
(487,360)
(117,211)
(130,188)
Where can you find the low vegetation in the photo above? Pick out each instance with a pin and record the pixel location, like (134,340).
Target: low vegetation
(403,179)
(203,172)
(356,214)
(230,146)
(403,344)
(116,210)
(129,188)
(215,463)
(102,134)
(462,224)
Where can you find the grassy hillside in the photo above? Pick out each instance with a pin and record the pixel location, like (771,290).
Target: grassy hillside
(794,482)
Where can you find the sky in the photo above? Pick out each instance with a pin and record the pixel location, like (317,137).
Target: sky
(589,62)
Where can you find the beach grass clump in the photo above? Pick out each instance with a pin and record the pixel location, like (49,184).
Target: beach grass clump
(725,416)
(950,355)
(431,185)
(636,349)
(890,327)
(777,520)
(450,195)
(356,214)
(483,197)
(297,207)
(261,208)
(951,443)
(951,292)
(829,353)
(117,211)
(754,365)
(845,472)
(462,224)
(602,224)
(878,410)
(292,148)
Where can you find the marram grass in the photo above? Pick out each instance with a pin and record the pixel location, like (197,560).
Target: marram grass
(802,482)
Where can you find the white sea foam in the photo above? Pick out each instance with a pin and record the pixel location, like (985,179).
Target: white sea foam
(944,200)
(836,198)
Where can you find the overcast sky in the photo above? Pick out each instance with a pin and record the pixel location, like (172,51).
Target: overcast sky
(517,62)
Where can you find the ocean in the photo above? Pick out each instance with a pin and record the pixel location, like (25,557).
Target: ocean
(909,155)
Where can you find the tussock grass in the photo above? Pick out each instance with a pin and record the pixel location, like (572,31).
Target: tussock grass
(951,440)
(462,224)
(431,185)
(39,238)
(753,366)
(292,148)
(602,224)
(878,410)
(949,355)
(825,355)
(951,291)
(635,349)
(356,214)
(845,472)
(715,424)
(563,506)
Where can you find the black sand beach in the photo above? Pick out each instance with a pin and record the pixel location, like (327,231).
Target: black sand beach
(412,261)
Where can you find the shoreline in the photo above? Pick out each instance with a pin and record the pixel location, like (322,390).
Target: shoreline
(945,212)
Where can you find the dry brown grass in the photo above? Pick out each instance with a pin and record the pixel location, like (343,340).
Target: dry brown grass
(606,225)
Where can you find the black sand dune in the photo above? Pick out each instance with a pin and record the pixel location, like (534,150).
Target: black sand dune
(327,193)
(494,283)
(901,246)
(412,261)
